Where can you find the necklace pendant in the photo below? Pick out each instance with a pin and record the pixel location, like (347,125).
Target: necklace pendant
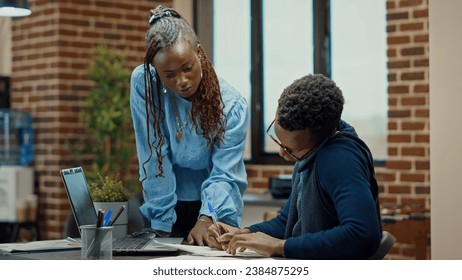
(179,135)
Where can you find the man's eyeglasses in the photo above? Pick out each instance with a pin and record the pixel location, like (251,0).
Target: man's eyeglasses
(286,149)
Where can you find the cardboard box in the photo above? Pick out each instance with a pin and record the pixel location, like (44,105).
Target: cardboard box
(16,189)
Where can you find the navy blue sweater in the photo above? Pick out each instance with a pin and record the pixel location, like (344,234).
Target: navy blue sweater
(345,189)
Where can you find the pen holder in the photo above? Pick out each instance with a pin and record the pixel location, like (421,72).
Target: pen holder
(96,242)
(121,224)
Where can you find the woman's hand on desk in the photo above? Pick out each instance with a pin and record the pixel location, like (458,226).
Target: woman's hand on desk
(198,234)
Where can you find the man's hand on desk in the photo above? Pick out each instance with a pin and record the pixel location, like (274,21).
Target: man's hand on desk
(259,242)
(227,233)
(198,234)
(238,240)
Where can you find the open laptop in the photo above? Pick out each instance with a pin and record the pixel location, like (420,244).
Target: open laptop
(84,212)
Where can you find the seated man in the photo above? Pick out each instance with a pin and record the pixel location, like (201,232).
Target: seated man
(333,210)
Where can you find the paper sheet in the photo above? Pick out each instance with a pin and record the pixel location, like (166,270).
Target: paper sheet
(212,252)
(34,246)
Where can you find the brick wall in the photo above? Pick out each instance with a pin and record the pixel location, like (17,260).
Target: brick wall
(52,50)
(408,124)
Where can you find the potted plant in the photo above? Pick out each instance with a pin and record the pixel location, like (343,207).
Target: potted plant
(107,115)
(109,143)
(109,194)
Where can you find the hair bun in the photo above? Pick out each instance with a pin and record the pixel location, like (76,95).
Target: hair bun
(161,12)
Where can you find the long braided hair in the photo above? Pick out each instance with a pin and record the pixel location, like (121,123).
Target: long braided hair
(167,27)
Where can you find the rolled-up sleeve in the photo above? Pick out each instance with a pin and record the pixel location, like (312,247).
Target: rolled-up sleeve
(228,179)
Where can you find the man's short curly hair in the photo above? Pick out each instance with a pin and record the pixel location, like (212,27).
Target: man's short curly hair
(313,102)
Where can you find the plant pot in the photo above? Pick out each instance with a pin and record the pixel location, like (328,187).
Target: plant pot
(121,224)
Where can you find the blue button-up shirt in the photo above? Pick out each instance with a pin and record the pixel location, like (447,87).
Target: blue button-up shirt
(192,170)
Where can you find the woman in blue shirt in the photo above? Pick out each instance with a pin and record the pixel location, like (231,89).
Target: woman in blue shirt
(190,129)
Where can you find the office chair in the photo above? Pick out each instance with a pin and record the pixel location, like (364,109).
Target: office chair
(385,244)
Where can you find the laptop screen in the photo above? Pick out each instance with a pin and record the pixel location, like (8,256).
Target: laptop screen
(79,196)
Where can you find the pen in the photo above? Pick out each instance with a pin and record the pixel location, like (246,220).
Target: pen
(99,221)
(96,242)
(215,220)
(107,217)
(117,215)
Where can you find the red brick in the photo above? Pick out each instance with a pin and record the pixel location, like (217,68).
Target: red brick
(399,138)
(252,173)
(422,88)
(412,51)
(386,177)
(392,101)
(414,151)
(414,202)
(422,113)
(422,165)
(390,5)
(421,38)
(392,125)
(398,89)
(397,16)
(422,138)
(391,28)
(260,185)
(410,3)
(399,113)
(392,77)
(413,101)
(422,190)
(412,177)
(391,53)
(411,26)
(397,40)
(399,189)
(399,64)
(412,76)
(413,125)
(392,151)
(399,164)
(420,13)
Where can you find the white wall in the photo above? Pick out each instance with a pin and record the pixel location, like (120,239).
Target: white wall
(446,128)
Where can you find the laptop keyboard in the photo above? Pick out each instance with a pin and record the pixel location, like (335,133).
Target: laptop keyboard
(129,243)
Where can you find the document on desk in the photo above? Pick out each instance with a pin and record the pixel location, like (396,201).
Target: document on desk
(212,252)
(39,246)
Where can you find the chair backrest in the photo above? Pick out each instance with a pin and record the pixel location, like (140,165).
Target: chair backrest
(385,244)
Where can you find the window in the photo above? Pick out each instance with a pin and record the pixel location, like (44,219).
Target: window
(231,47)
(358,32)
(260,47)
(287,52)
